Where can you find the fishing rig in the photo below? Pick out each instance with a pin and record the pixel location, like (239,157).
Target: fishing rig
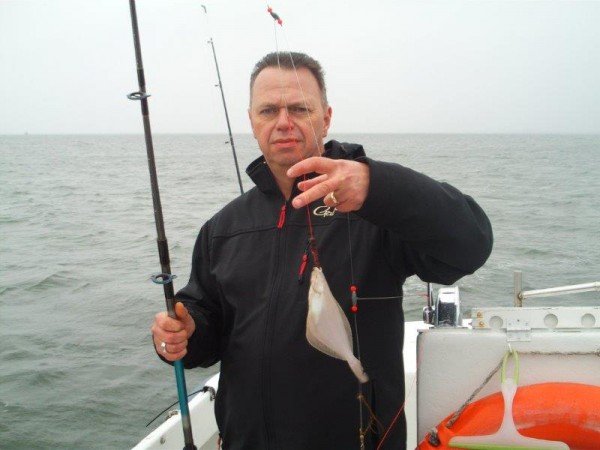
(372,424)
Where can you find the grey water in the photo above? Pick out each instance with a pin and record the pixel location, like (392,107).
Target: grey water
(77,368)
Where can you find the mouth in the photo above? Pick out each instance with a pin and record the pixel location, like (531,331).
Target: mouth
(285,143)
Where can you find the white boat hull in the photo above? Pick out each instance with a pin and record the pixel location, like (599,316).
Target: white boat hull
(452,363)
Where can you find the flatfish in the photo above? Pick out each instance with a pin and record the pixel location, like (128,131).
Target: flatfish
(327,327)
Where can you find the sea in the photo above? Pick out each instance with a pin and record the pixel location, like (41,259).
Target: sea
(77,248)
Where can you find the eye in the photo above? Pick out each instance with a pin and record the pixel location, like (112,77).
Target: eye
(268,111)
(298,110)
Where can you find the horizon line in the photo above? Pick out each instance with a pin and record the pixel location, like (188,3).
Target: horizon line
(479,133)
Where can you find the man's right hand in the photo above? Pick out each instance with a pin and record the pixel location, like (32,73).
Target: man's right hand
(171,335)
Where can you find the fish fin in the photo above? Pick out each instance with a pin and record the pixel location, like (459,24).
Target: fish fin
(346,324)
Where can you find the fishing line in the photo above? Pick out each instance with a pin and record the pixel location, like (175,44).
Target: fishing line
(354,309)
(278,20)
(312,127)
(173,404)
(353,288)
(320,151)
(407,395)
(397,416)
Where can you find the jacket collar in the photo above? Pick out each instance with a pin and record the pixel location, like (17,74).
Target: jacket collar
(261,175)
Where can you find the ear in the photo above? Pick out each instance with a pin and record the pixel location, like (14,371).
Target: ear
(327,120)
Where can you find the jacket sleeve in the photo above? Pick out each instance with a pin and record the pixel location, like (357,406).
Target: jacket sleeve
(200,297)
(430,228)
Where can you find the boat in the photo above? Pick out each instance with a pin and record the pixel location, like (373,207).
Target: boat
(453,364)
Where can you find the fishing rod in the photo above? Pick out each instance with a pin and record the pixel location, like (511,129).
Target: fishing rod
(165,278)
(220,85)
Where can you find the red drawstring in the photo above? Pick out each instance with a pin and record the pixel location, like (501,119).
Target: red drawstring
(303,265)
(281,217)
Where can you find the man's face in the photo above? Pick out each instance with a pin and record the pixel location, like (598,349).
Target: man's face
(286,136)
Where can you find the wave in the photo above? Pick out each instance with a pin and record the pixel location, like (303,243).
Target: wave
(80,288)
(55,280)
(7,289)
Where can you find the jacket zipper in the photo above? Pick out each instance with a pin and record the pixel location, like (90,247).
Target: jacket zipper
(270,436)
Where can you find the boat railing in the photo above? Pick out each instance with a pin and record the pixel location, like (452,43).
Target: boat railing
(521,295)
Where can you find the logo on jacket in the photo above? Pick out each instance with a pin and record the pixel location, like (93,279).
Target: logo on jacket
(324,211)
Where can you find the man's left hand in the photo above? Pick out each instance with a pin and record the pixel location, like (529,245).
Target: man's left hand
(347,180)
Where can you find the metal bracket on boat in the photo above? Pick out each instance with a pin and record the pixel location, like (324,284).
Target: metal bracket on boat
(518,330)
(446,312)
(213,393)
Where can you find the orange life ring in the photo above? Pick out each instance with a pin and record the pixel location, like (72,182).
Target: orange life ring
(566,412)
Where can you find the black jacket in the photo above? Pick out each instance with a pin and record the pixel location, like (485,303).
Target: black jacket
(277,392)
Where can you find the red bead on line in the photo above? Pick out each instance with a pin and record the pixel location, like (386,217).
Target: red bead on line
(353,288)
(354,309)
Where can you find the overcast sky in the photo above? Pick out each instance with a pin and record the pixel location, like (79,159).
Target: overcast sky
(392,66)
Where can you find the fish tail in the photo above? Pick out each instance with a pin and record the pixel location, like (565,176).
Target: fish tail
(357,369)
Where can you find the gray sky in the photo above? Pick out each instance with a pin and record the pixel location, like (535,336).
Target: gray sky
(392,66)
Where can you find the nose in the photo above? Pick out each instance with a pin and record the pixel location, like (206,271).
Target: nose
(284,121)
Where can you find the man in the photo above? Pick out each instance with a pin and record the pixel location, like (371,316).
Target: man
(246,301)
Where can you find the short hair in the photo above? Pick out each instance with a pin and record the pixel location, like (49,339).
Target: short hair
(291,61)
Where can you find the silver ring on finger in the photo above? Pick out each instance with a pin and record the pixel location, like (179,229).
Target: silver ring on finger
(334,200)
(163,346)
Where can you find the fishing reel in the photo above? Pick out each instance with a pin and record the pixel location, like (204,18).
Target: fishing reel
(446,310)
